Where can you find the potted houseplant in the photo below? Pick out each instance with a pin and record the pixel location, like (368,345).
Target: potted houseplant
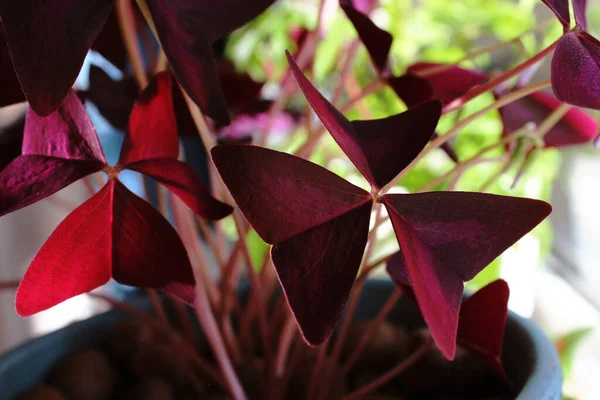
(322,229)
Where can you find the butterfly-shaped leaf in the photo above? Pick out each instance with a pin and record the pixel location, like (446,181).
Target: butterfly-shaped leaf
(57,150)
(116,234)
(561,9)
(381,148)
(446,238)
(576,127)
(411,89)
(315,220)
(377,41)
(579,7)
(187,29)
(48,41)
(576,70)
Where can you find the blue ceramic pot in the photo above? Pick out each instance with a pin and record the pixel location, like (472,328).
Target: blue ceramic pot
(529,357)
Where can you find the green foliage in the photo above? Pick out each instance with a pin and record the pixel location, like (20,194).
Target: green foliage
(567,346)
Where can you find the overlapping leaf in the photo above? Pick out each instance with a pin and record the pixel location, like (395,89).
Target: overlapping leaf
(382,148)
(187,29)
(48,41)
(576,127)
(116,234)
(446,238)
(561,9)
(308,214)
(11,91)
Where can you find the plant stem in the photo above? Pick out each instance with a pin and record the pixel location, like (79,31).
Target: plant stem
(9,284)
(128,33)
(478,90)
(379,319)
(288,333)
(157,305)
(385,378)
(437,142)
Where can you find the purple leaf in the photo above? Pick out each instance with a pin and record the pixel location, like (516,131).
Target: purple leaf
(11,90)
(411,89)
(576,127)
(381,148)
(481,323)
(317,222)
(561,9)
(579,7)
(377,41)
(67,133)
(48,41)
(187,30)
(575,70)
(181,179)
(446,238)
(118,234)
(31,178)
(450,83)
(317,269)
(152,126)
(109,42)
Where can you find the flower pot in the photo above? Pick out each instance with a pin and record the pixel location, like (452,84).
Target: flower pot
(529,357)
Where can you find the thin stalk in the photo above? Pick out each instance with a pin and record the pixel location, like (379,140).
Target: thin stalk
(392,373)
(128,33)
(157,305)
(9,284)
(317,374)
(288,333)
(379,319)
(478,90)
(437,142)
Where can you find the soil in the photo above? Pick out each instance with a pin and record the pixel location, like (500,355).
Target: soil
(142,362)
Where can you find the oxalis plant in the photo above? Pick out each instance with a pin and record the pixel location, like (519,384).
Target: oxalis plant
(322,229)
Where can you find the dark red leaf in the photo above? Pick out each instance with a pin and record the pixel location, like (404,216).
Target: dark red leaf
(114,99)
(187,29)
(576,71)
(481,323)
(152,127)
(317,269)
(282,195)
(316,220)
(450,83)
(240,90)
(113,233)
(576,127)
(411,89)
(377,41)
(561,9)
(579,7)
(30,178)
(11,90)
(181,179)
(147,251)
(446,238)
(67,133)
(109,42)
(381,148)
(48,41)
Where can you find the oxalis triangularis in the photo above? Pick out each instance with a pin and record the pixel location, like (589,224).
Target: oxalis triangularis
(319,224)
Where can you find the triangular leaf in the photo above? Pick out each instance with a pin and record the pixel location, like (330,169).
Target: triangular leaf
(152,127)
(411,89)
(576,70)
(481,323)
(450,83)
(114,232)
(11,90)
(381,148)
(181,179)
(48,41)
(282,195)
(67,133)
(579,7)
(317,269)
(29,179)
(377,41)
(187,29)
(561,9)
(446,238)
(576,127)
